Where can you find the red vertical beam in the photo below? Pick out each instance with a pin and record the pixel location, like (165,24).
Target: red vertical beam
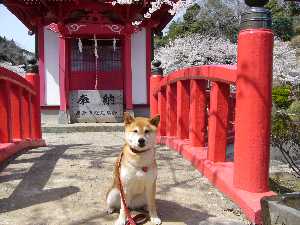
(253,110)
(25,115)
(183,109)
(171,110)
(128,72)
(5,112)
(154,84)
(15,112)
(162,109)
(63,67)
(198,112)
(41,62)
(34,79)
(218,121)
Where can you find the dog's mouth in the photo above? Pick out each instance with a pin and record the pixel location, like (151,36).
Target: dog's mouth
(142,145)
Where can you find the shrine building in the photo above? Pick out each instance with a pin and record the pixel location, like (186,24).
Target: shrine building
(92,54)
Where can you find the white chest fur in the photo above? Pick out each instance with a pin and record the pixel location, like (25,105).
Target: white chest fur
(135,179)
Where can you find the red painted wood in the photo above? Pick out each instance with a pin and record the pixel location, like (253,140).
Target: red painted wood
(86,81)
(171,110)
(5,131)
(154,83)
(198,114)
(25,114)
(41,62)
(162,110)
(68,70)
(221,73)
(128,73)
(183,109)
(253,110)
(16,121)
(148,60)
(16,79)
(218,121)
(62,72)
(9,149)
(221,176)
(35,108)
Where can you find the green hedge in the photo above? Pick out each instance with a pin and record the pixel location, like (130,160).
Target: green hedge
(281,97)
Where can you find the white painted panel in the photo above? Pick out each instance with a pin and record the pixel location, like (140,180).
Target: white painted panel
(138,65)
(52,95)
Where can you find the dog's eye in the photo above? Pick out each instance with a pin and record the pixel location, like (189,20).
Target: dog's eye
(147,131)
(135,131)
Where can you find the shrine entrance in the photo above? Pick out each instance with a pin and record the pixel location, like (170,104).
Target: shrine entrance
(96,80)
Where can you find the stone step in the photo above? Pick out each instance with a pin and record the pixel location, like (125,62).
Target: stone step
(82,127)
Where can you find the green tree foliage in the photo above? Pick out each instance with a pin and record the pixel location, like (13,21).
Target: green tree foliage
(219,18)
(10,52)
(213,18)
(282,14)
(281,96)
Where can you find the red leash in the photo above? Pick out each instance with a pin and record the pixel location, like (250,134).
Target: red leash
(138,219)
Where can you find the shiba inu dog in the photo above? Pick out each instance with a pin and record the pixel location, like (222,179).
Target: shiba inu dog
(138,169)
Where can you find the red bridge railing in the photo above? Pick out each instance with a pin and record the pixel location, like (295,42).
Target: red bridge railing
(188,116)
(20,116)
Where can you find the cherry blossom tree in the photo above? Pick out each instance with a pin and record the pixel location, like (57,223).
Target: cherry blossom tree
(197,49)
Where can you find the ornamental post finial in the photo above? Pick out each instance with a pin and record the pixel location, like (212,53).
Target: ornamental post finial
(32,66)
(156,68)
(258,16)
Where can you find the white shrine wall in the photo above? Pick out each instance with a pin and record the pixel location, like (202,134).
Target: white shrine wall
(138,66)
(52,96)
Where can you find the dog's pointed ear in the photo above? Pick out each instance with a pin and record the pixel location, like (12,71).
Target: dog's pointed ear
(155,120)
(128,119)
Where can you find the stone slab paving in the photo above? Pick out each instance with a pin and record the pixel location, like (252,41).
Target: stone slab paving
(66,182)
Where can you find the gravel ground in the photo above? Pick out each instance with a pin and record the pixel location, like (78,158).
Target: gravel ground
(65,184)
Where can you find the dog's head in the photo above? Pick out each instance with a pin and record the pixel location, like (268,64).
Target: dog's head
(140,132)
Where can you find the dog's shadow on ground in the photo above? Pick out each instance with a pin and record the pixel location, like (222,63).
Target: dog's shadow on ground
(170,211)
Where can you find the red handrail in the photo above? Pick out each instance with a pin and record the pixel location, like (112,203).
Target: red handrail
(199,114)
(20,115)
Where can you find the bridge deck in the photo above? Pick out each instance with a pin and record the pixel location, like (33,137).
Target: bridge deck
(65,184)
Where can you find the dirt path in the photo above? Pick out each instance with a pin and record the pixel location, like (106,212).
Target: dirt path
(65,184)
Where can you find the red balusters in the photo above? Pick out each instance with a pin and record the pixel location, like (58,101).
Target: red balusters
(162,109)
(25,114)
(183,109)
(197,112)
(171,110)
(218,121)
(5,131)
(16,121)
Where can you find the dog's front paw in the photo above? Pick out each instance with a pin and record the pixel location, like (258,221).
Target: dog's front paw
(156,220)
(120,222)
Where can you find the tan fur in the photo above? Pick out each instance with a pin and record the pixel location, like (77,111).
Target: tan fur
(139,186)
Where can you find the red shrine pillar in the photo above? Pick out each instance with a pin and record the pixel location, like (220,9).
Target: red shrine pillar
(63,79)
(253,100)
(40,51)
(128,73)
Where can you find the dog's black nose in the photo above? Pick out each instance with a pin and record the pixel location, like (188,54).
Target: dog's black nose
(141,142)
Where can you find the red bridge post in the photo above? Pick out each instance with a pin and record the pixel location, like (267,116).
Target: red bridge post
(253,102)
(154,85)
(33,78)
